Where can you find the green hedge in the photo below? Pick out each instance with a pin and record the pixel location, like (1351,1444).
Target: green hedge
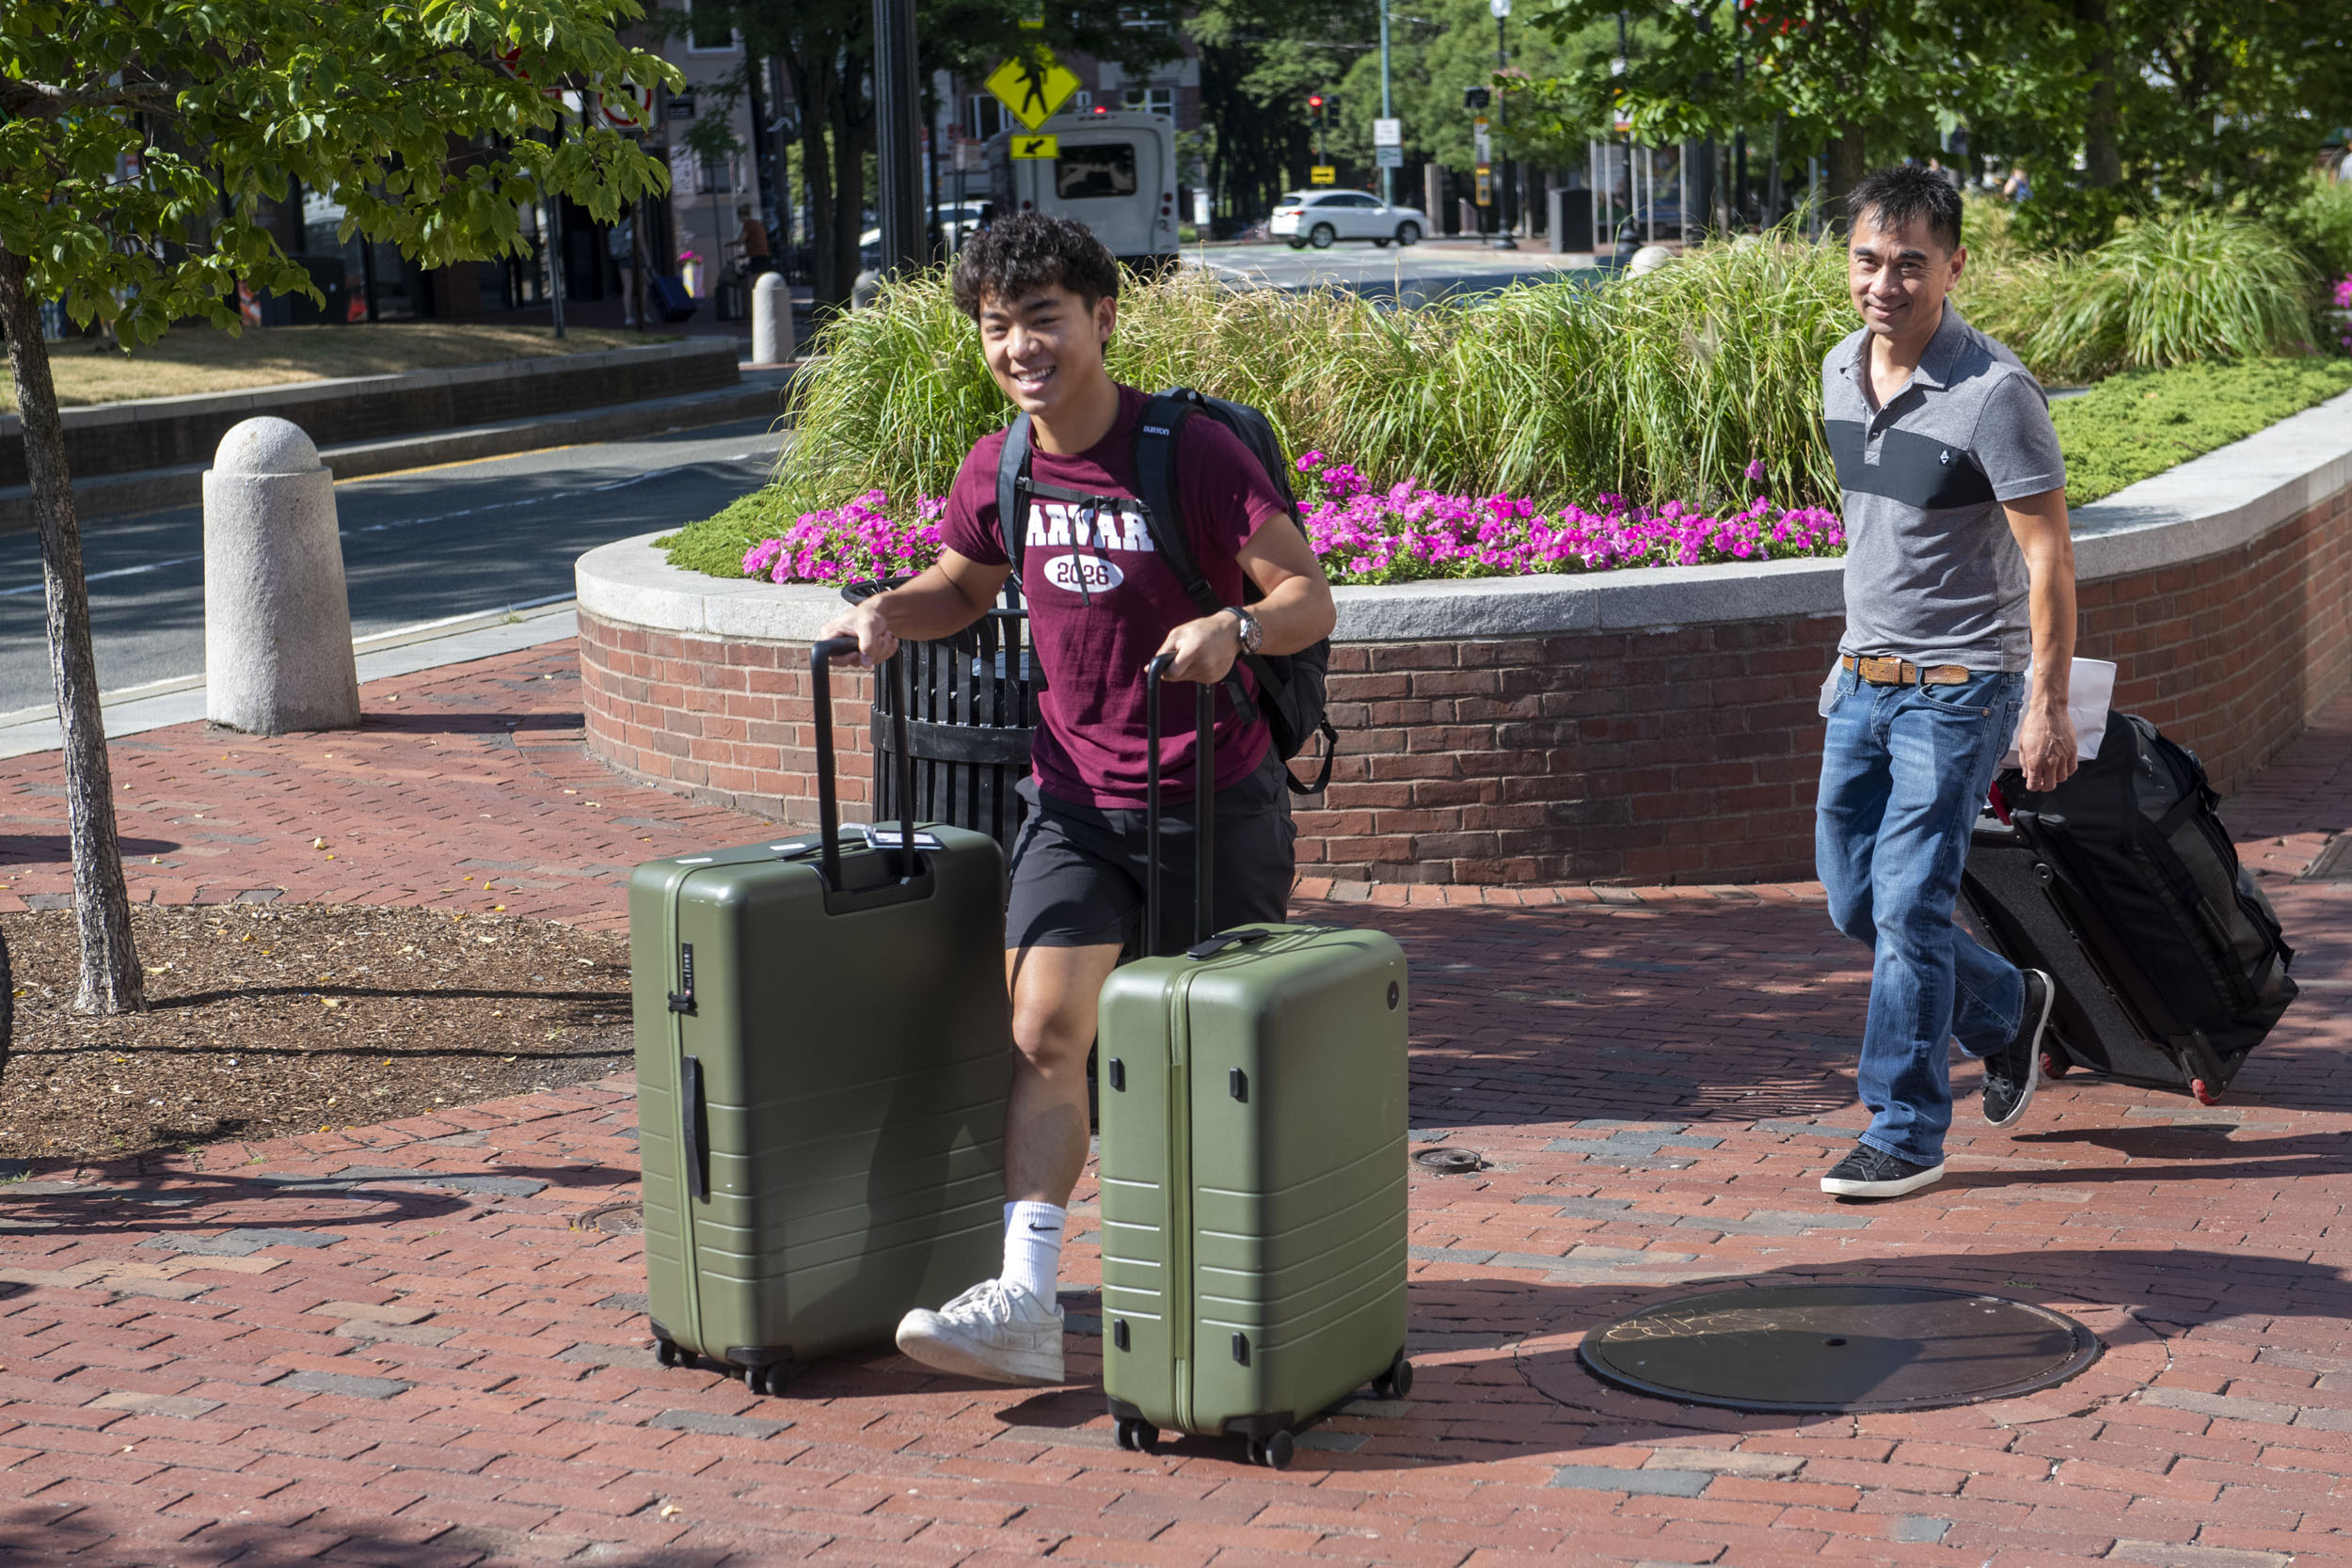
(2132,426)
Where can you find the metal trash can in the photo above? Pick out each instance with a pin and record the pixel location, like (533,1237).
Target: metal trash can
(973,709)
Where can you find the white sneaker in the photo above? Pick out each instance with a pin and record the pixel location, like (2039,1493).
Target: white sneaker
(995,1331)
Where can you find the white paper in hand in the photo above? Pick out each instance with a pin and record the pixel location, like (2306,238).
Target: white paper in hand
(2090,690)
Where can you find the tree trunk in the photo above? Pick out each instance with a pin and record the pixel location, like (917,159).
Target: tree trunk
(812,90)
(111,979)
(2102,152)
(1843,169)
(852,138)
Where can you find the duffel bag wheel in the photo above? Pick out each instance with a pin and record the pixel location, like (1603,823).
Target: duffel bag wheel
(2055,1067)
(1275,1451)
(1397,1381)
(2204,1096)
(667,1353)
(1138,1435)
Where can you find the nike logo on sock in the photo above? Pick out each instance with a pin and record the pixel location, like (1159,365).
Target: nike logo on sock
(1045,1229)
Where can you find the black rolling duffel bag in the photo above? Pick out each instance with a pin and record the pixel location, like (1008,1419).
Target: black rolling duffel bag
(2125,886)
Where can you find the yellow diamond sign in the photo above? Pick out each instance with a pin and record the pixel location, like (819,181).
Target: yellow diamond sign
(1033,87)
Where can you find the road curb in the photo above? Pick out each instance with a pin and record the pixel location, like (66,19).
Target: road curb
(403,651)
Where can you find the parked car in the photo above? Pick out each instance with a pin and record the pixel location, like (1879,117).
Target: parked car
(1319,218)
(956,219)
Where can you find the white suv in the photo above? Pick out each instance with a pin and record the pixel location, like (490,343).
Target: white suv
(1319,217)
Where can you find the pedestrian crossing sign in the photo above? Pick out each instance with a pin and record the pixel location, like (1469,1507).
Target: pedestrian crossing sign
(1036,147)
(1032,87)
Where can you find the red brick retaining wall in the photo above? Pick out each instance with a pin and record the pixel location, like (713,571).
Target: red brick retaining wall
(1678,754)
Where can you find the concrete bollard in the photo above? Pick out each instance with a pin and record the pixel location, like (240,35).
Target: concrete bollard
(771,319)
(1649,258)
(277,622)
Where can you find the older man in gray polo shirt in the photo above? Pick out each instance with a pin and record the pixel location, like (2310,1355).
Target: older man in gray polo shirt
(1959,574)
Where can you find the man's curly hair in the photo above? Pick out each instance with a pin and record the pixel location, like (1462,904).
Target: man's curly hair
(1028,251)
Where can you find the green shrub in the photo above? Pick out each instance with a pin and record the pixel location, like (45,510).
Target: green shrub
(2195,286)
(1657,388)
(2140,423)
(2320,226)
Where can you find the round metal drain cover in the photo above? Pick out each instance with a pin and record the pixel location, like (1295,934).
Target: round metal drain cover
(1449,1159)
(1838,1348)
(614,1219)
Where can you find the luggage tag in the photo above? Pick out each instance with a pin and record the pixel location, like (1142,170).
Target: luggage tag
(887,838)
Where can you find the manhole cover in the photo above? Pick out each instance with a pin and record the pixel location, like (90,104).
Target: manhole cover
(1839,1347)
(614,1219)
(1449,1159)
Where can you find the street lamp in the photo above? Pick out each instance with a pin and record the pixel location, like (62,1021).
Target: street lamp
(1502,10)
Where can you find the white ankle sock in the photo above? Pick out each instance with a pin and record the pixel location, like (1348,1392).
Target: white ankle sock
(1033,1247)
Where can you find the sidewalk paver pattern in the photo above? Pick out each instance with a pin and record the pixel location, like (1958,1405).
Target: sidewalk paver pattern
(418,1343)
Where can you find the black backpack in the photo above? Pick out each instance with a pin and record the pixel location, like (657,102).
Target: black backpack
(1292,686)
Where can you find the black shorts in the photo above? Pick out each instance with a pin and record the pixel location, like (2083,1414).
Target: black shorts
(1078,870)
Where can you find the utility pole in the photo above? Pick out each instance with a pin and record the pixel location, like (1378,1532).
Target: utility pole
(898,147)
(1388,110)
(1502,10)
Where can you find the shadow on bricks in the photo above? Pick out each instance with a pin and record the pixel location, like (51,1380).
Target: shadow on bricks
(234,1215)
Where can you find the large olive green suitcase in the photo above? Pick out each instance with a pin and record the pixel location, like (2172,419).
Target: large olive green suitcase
(823,1049)
(1253,1170)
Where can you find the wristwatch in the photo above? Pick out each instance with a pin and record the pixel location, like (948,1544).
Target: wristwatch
(1252,634)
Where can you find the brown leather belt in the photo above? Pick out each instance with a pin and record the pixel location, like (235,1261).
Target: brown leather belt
(1901,671)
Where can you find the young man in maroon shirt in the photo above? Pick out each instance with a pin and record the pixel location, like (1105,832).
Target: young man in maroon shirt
(1102,602)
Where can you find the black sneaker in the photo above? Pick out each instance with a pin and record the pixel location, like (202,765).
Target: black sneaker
(2012,1072)
(1869,1172)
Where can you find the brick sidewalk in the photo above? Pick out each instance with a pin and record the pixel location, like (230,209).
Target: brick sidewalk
(411,1345)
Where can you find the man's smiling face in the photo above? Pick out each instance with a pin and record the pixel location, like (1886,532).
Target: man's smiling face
(1900,274)
(1045,347)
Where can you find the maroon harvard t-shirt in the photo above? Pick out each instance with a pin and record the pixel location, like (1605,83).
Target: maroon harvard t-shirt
(1101,600)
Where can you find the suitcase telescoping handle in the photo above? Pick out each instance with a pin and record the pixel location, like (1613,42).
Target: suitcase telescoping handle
(1203,809)
(828,817)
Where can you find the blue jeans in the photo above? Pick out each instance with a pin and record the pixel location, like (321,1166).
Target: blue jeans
(1904,771)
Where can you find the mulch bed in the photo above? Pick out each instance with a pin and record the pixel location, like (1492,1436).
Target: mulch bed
(265,1022)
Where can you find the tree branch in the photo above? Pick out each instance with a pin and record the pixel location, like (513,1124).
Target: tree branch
(46,100)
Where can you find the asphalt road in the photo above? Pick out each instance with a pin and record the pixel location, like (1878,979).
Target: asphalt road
(1414,273)
(418,546)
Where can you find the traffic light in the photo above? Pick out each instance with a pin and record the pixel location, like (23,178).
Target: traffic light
(1314,105)
(1476,98)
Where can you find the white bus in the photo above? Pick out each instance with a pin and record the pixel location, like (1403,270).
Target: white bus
(1116,173)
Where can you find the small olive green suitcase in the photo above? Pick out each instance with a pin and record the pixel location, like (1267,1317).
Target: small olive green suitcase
(823,1049)
(1252,1171)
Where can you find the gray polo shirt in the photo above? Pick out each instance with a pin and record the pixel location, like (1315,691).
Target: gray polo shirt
(1932,572)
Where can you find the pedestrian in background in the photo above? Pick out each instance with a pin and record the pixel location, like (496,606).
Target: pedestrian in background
(1959,571)
(2017,188)
(753,237)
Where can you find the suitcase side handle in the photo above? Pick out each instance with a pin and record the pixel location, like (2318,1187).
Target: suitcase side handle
(1203,808)
(691,1114)
(821,656)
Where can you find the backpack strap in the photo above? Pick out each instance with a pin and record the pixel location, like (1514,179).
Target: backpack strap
(1012,488)
(1164,417)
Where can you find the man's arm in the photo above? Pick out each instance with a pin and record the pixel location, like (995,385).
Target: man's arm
(1296,611)
(2045,736)
(940,603)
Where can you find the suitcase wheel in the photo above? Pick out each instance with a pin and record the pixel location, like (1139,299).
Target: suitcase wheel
(1397,1381)
(1274,1452)
(1138,1435)
(667,1353)
(2055,1067)
(775,1378)
(2204,1096)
